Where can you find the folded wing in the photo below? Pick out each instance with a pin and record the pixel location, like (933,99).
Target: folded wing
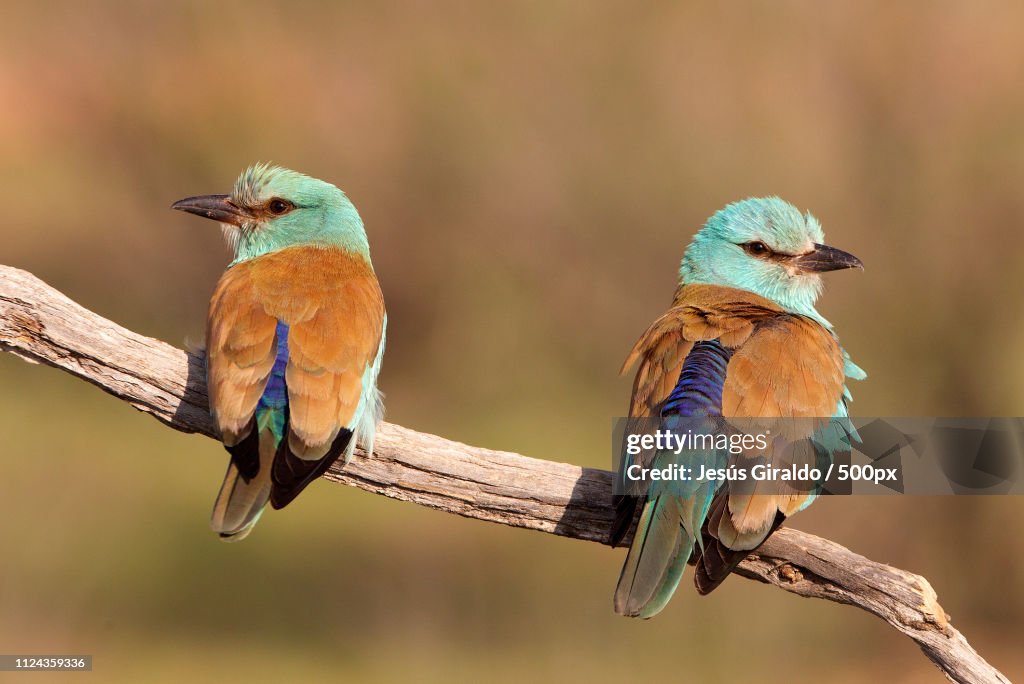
(294,345)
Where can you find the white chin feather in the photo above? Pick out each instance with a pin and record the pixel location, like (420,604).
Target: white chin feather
(812,285)
(231,235)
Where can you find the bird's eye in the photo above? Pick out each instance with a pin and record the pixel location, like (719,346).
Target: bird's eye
(756,248)
(279,206)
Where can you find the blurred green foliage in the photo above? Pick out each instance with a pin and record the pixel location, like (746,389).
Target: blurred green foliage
(529,174)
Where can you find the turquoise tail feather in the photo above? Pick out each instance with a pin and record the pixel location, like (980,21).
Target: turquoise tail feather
(241,501)
(656,560)
(668,528)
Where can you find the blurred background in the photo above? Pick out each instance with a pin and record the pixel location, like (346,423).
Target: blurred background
(529,174)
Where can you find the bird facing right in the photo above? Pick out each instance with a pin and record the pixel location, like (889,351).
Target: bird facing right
(741,339)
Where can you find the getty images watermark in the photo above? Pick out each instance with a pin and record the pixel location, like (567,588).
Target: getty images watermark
(820,455)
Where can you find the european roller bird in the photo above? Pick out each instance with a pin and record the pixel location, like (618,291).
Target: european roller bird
(294,339)
(741,339)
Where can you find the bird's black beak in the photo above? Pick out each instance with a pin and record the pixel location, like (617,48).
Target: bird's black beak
(825,258)
(216,207)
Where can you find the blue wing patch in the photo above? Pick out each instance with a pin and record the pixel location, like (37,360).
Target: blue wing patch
(700,385)
(272,408)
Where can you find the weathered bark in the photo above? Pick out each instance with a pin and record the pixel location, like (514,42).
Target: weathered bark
(40,324)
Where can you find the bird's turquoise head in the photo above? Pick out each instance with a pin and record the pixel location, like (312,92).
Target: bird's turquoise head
(765,246)
(272,208)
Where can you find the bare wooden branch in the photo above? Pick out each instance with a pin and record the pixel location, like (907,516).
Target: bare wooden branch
(39,324)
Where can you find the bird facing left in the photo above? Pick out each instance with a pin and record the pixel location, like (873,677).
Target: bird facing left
(294,339)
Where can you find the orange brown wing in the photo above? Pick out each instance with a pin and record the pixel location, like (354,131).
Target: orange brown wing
(790,367)
(240,350)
